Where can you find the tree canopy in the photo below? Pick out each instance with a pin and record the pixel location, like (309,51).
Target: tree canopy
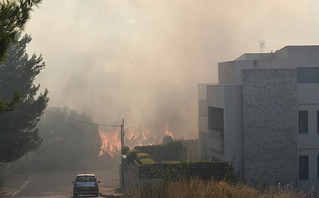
(19,133)
(68,138)
(13,16)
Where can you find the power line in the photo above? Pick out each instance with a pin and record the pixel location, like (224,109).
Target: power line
(25,113)
(73,119)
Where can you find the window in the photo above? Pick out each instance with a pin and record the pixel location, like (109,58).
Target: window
(216,119)
(318,166)
(303,121)
(318,121)
(303,167)
(308,75)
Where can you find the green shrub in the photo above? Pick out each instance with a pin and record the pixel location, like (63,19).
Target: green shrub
(172,170)
(139,157)
(131,155)
(170,162)
(142,155)
(147,161)
(167,152)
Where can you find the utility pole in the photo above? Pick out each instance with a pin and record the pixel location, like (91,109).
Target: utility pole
(122,161)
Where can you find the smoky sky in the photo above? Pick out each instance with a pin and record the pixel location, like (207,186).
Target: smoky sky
(142,59)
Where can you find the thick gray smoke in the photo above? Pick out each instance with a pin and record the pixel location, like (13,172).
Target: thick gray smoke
(142,59)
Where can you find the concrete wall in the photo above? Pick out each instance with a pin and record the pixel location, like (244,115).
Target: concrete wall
(233,134)
(270,126)
(202,120)
(270,103)
(255,56)
(308,93)
(282,54)
(227,73)
(227,145)
(216,96)
(312,183)
(299,56)
(308,100)
(214,141)
(287,57)
(303,56)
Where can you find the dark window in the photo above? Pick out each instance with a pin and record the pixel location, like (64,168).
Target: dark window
(318,121)
(308,75)
(303,121)
(216,119)
(85,179)
(303,167)
(318,166)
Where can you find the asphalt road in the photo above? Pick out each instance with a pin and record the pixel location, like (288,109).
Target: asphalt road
(58,184)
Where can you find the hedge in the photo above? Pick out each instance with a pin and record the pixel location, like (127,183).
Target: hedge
(186,170)
(147,161)
(167,152)
(176,170)
(131,155)
(139,157)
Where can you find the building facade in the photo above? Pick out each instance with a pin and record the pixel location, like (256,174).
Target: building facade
(263,116)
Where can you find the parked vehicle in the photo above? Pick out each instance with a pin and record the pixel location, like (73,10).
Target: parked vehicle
(85,184)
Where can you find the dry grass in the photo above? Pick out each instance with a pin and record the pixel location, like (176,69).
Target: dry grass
(200,189)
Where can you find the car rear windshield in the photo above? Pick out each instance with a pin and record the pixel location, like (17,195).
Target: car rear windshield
(85,179)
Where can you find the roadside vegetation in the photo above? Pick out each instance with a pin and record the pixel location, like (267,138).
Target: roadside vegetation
(197,188)
(67,144)
(164,173)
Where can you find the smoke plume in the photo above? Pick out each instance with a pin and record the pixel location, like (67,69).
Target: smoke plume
(142,59)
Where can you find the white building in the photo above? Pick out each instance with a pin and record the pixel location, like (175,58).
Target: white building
(263,116)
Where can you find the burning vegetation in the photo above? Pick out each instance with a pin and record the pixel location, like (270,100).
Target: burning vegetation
(111,140)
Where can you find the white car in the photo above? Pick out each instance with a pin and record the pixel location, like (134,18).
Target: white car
(85,184)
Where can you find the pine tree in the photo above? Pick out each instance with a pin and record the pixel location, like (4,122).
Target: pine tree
(18,129)
(13,16)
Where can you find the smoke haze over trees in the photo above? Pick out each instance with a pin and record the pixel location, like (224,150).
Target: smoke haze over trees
(19,133)
(142,59)
(67,142)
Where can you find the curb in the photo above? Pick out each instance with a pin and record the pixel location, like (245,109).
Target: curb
(110,196)
(14,192)
(118,193)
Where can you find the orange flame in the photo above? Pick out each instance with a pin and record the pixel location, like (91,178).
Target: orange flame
(168,130)
(111,140)
(138,138)
(111,143)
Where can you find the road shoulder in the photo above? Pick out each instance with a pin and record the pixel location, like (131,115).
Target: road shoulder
(15,184)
